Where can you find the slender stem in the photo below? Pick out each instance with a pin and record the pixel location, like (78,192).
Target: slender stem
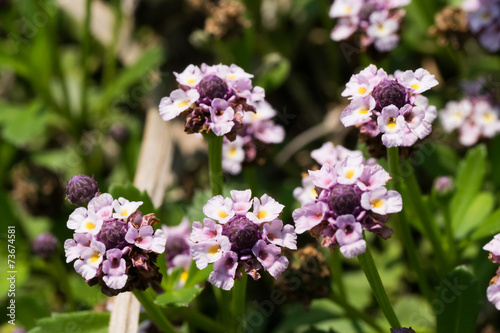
(153,311)
(355,313)
(199,320)
(371,273)
(251,177)
(62,277)
(215,162)
(404,227)
(337,273)
(239,297)
(84,60)
(223,298)
(427,220)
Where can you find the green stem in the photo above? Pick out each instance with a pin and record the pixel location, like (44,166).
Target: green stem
(153,311)
(199,320)
(215,162)
(239,297)
(223,298)
(337,273)
(371,273)
(252,178)
(404,227)
(427,220)
(84,60)
(355,313)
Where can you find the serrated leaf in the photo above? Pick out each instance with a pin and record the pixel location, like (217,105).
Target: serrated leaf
(489,227)
(84,321)
(458,302)
(179,297)
(131,193)
(477,212)
(469,179)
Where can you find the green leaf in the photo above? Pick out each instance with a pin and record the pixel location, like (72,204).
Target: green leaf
(84,321)
(148,62)
(489,228)
(458,302)
(477,212)
(131,193)
(469,179)
(276,70)
(23,124)
(179,297)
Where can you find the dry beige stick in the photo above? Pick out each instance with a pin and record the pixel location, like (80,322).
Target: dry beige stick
(153,176)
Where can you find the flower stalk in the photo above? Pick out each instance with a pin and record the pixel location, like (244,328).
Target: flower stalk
(154,311)
(215,162)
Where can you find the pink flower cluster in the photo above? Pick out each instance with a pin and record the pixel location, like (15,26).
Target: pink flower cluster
(348,196)
(258,131)
(235,238)
(484,21)
(212,97)
(493,291)
(376,21)
(473,117)
(114,244)
(391,105)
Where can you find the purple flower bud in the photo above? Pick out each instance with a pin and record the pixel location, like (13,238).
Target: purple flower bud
(195,121)
(212,86)
(389,92)
(242,233)
(112,234)
(81,189)
(402,330)
(45,245)
(344,199)
(443,185)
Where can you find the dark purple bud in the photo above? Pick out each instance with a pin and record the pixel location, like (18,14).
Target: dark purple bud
(195,121)
(389,92)
(402,330)
(242,233)
(344,199)
(45,245)
(112,234)
(212,86)
(81,189)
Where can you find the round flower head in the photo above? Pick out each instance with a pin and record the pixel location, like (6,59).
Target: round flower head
(350,197)
(81,189)
(213,98)
(376,22)
(390,105)
(45,245)
(114,245)
(483,17)
(475,118)
(257,133)
(237,236)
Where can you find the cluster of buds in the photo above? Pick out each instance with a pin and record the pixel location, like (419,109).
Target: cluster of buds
(114,244)
(493,291)
(484,21)
(376,21)
(213,98)
(258,131)
(349,197)
(233,238)
(474,117)
(390,105)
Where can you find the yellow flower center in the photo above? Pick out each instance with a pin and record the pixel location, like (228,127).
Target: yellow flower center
(183,104)
(362,90)
(377,203)
(184,276)
(89,225)
(391,123)
(262,214)
(213,249)
(222,214)
(349,174)
(231,77)
(232,152)
(191,81)
(95,256)
(124,212)
(415,86)
(488,117)
(362,111)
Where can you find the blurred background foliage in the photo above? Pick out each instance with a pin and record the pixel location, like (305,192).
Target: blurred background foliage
(73,96)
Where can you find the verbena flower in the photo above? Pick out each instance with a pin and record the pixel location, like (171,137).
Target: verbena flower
(114,244)
(484,21)
(349,197)
(258,131)
(376,22)
(236,237)
(390,105)
(474,117)
(493,291)
(213,98)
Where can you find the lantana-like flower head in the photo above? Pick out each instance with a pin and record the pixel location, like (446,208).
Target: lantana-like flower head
(349,197)
(114,244)
(376,22)
(235,238)
(493,291)
(390,105)
(258,131)
(45,245)
(213,98)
